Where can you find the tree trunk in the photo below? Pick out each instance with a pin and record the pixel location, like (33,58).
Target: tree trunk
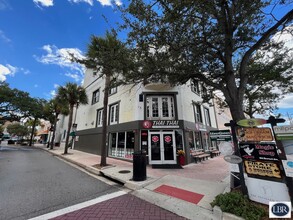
(68,129)
(236,110)
(54,131)
(33,131)
(104,134)
(234,98)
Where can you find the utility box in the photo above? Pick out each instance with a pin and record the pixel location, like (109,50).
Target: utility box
(139,166)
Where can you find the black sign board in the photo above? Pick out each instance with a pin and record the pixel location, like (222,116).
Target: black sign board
(259,151)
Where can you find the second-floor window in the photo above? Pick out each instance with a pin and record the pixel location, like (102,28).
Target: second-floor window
(99,118)
(197,113)
(160,107)
(195,86)
(112,90)
(114,113)
(207,117)
(96,96)
(204,90)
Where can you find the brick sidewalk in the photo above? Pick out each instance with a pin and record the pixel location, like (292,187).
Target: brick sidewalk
(122,207)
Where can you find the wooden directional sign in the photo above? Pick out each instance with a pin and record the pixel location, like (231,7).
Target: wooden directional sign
(261,168)
(254,134)
(252,122)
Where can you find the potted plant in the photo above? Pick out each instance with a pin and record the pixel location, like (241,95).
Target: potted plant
(181,155)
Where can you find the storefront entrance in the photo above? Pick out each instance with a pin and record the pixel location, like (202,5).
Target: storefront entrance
(162,147)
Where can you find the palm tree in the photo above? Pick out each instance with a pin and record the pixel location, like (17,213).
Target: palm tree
(54,108)
(73,95)
(111,58)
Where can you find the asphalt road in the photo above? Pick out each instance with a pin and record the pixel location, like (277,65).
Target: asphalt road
(34,182)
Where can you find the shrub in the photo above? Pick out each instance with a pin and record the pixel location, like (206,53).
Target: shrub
(238,204)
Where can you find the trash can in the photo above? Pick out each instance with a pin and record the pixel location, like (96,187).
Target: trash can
(139,166)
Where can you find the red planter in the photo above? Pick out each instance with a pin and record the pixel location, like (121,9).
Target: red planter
(181,160)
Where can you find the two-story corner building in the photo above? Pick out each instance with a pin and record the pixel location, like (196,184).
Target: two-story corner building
(156,118)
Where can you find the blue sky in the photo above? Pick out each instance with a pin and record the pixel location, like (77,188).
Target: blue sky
(35,36)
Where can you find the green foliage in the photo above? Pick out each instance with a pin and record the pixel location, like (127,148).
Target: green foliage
(72,95)
(54,108)
(111,59)
(16,104)
(17,129)
(237,204)
(214,42)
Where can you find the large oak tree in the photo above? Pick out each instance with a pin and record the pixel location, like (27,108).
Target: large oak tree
(215,42)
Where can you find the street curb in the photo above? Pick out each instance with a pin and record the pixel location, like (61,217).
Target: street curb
(91,170)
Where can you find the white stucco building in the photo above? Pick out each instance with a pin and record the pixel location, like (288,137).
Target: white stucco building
(155,118)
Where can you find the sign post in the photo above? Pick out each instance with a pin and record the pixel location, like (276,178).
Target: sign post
(232,124)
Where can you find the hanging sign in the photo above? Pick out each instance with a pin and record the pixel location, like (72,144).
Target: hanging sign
(261,168)
(147,124)
(254,134)
(259,151)
(220,135)
(252,122)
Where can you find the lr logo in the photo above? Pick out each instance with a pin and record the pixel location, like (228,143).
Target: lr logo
(280,209)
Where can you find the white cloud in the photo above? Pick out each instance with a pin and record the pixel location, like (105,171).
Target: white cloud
(62,58)
(7,70)
(109,2)
(3,37)
(118,2)
(286,102)
(48,3)
(90,2)
(53,92)
(74,76)
(44,3)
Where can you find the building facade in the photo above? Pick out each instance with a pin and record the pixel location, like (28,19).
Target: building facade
(155,118)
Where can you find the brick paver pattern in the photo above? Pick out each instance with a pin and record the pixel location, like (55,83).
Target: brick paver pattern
(123,207)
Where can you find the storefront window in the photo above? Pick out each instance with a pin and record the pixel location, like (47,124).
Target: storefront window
(122,144)
(197,140)
(191,140)
(113,144)
(194,140)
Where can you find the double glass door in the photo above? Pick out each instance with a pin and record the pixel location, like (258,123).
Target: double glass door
(162,148)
